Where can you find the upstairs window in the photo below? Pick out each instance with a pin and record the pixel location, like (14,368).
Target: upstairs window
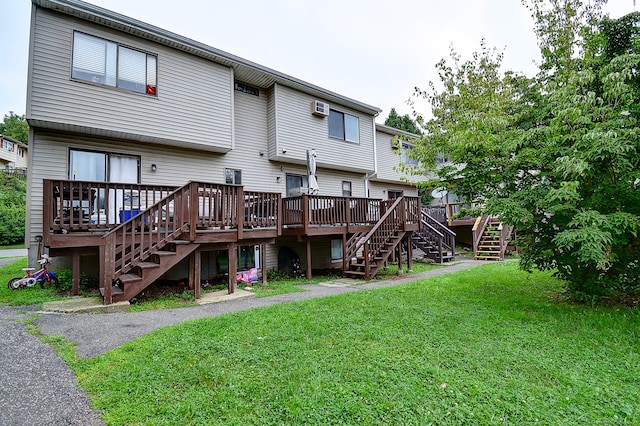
(405,155)
(104,62)
(344,126)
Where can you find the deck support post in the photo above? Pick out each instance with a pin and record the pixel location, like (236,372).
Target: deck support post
(75,287)
(410,252)
(398,250)
(194,272)
(263,262)
(309,277)
(233,268)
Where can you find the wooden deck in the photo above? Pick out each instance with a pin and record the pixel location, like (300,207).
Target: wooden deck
(125,225)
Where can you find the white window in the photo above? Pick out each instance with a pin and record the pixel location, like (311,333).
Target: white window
(105,62)
(336,249)
(296,184)
(346,188)
(233,177)
(344,126)
(103,167)
(405,155)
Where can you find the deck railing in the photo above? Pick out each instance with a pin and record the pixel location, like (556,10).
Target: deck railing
(72,205)
(444,236)
(320,210)
(85,206)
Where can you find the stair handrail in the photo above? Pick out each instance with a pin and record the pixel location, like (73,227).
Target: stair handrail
(150,229)
(478,229)
(364,242)
(505,233)
(448,236)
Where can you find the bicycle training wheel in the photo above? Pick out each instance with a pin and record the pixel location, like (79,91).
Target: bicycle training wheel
(14,283)
(51,279)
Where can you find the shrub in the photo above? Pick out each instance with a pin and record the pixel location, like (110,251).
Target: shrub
(12,209)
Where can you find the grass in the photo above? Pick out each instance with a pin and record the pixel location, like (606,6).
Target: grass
(23,297)
(490,345)
(14,246)
(35,295)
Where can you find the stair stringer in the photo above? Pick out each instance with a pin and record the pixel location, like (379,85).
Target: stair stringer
(148,276)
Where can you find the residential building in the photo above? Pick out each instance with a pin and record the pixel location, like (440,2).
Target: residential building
(146,145)
(13,155)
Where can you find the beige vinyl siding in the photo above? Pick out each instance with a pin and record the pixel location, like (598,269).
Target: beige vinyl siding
(193,107)
(272,121)
(380,189)
(297,130)
(388,159)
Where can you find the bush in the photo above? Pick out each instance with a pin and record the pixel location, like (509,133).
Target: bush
(277,275)
(65,279)
(13,194)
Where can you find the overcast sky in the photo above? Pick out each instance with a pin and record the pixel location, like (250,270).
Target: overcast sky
(370,50)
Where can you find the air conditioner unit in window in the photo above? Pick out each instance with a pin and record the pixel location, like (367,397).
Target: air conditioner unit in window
(319,108)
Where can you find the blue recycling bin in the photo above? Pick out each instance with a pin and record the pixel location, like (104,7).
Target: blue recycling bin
(127,214)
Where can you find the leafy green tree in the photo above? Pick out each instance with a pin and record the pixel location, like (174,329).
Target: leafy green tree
(12,209)
(557,156)
(15,126)
(402,122)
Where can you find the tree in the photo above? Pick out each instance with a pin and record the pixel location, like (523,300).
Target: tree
(557,156)
(15,126)
(12,209)
(404,122)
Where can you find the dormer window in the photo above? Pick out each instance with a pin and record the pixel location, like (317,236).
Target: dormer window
(100,61)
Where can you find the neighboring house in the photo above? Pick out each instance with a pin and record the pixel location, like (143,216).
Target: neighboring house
(13,154)
(392,146)
(147,146)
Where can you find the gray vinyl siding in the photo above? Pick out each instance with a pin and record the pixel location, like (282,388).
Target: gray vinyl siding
(193,106)
(297,130)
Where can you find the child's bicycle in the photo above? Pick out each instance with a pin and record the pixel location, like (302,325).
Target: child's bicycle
(42,276)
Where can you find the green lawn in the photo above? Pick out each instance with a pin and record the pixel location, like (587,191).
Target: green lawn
(490,345)
(22,297)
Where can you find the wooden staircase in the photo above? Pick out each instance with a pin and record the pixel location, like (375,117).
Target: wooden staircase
(366,253)
(435,239)
(490,238)
(142,249)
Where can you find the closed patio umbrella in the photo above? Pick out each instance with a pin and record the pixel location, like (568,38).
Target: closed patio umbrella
(314,189)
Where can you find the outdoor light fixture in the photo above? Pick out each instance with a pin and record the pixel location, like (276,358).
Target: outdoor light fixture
(154,167)
(278,179)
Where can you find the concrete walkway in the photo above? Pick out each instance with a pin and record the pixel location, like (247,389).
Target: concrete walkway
(37,387)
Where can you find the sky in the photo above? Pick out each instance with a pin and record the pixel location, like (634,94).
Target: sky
(372,51)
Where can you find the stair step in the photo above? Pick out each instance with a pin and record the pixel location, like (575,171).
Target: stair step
(360,273)
(129,278)
(148,265)
(165,253)
(487,257)
(180,242)
(114,290)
